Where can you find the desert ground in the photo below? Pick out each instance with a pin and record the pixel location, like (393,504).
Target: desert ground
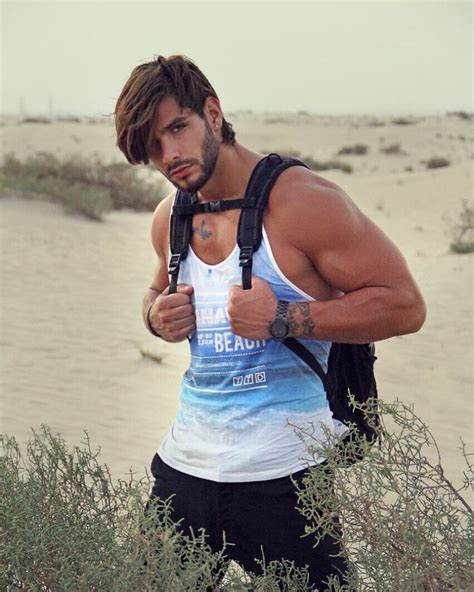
(71,288)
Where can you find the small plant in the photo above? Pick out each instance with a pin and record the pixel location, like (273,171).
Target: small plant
(45,120)
(356,149)
(376,123)
(392,149)
(462,115)
(462,233)
(403,121)
(327,165)
(437,162)
(69,119)
(314,165)
(151,355)
(84,186)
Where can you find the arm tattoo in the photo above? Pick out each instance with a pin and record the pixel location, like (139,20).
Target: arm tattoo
(200,231)
(299,320)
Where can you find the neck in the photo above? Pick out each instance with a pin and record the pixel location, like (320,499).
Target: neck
(232,172)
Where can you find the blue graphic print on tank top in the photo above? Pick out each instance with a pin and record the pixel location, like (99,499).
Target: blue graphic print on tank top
(240,398)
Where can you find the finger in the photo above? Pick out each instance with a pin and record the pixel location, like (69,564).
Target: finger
(185,289)
(185,311)
(181,334)
(170,316)
(234,292)
(181,324)
(180,288)
(174,300)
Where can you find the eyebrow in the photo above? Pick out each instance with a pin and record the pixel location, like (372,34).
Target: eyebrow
(175,121)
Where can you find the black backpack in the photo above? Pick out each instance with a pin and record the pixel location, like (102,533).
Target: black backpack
(350,366)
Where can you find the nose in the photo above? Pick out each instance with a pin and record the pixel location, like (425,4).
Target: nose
(169,152)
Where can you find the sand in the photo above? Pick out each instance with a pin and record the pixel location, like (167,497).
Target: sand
(71,329)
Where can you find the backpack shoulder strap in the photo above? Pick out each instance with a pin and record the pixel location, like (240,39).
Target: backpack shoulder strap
(308,357)
(180,235)
(249,233)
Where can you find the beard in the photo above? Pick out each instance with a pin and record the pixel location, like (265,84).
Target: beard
(209,155)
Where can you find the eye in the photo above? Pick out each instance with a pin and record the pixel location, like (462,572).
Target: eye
(176,128)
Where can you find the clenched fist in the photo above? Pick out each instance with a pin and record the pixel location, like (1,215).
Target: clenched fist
(172,315)
(251,311)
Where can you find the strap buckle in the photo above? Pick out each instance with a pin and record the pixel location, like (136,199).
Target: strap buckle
(245,257)
(175,262)
(214,206)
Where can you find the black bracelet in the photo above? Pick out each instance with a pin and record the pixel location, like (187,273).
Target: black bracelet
(149,325)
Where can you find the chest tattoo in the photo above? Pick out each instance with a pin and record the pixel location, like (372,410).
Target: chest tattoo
(201,231)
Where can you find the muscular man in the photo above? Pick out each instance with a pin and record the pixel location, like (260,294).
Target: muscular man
(230,452)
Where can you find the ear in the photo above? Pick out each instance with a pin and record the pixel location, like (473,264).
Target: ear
(213,112)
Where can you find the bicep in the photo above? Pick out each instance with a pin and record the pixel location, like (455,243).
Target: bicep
(160,241)
(350,251)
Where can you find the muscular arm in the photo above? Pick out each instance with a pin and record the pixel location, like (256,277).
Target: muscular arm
(171,315)
(379,297)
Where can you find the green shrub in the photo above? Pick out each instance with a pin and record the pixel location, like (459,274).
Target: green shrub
(462,232)
(392,149)
(437,162)
(403,121)
(85,186)
(66,524)
(376,123)
(314,165)
(462,115)
(407,527)
(356,149)
(326,165)
(35,120)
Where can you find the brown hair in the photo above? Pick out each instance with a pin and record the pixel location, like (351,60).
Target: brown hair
(149,83)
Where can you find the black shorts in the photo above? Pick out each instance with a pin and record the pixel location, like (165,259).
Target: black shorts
(254,515)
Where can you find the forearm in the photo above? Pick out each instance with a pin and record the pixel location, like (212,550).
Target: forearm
(368,314)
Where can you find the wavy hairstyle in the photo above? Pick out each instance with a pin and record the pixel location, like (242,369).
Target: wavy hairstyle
(149,83)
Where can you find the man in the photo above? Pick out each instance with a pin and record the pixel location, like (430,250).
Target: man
(230,452)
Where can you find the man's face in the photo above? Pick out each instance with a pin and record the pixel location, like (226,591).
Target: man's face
(184,149)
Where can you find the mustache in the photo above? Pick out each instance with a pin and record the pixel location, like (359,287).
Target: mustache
(180,163)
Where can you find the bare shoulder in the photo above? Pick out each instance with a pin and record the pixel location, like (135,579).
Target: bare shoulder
(160,224)
(304,201)
(318,219)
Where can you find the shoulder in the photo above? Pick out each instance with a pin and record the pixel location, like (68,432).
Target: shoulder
(160,223)
(304,205)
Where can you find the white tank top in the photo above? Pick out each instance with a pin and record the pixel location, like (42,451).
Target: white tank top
(240,399)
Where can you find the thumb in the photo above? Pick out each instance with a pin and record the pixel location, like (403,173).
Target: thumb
(233,290)
(184,289)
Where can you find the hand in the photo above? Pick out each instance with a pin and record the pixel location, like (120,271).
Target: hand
(251,311)
(172,315)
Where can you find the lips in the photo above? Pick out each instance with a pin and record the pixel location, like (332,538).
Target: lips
(181,171)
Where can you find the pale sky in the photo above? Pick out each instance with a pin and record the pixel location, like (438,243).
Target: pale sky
(336,57)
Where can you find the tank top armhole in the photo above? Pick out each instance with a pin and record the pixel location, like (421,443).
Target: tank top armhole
(268,248)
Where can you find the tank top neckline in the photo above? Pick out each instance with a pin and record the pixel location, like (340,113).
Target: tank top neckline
(213,265)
